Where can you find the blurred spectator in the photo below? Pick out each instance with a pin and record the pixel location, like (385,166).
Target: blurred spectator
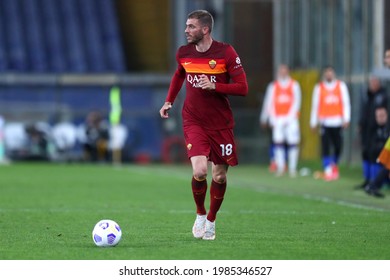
(15,139)
(118,136)
(378,153)
(281,111)
(97,136)
(378,136)
(118,132)
(384,157)
(383,72)
(64,136)
(37,143)
(331,112)
(374,98)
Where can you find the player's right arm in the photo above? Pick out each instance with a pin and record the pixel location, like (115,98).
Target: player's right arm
(314,108)
(296,106)
(346,105)
(266,109)
(239,84)
(174,88)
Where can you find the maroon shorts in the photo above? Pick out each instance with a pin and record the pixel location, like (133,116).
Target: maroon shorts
(217,145)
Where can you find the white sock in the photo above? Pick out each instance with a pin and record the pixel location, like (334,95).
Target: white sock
(280,158)
(293,154)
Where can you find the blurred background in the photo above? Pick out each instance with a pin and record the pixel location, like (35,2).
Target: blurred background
(72,70)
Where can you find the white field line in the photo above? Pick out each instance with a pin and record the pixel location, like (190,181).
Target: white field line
(343,203)
(325,199)
(233,183)
(239,184)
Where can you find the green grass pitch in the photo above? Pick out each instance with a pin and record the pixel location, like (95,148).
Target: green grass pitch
(47,211)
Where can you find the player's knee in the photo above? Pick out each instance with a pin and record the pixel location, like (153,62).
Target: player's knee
(219,178)
(200,174)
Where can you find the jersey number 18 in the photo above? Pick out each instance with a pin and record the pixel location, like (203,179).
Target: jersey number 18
(227,149)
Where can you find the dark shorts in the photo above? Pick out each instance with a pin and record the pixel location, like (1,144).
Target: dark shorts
(217,145)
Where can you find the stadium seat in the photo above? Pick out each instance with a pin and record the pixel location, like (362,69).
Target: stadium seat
(3,51)
(34,38)
(55,42)
(73,36)
(15,40)
(111,37)
(44,36)
(93,37)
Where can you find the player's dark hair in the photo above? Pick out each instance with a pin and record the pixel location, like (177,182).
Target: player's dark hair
(381,107)
(204,17)
(327,67)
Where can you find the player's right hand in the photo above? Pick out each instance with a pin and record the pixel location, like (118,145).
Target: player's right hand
(164,110)
(314,129)
(345,125)
(264,125)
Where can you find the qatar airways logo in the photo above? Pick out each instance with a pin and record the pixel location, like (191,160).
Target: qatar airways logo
(195,79)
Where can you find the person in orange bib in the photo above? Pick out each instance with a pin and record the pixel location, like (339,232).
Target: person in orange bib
(331,113)
(281,112)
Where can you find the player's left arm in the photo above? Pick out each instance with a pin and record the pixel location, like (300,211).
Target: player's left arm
(265,115)
(314,107)
(296,106)
(238,85)
(346,105)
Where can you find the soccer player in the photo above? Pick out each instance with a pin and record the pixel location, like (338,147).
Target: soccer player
(281,110)
(212,71)
(331,110)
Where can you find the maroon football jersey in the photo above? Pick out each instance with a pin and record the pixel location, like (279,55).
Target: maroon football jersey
(209,108)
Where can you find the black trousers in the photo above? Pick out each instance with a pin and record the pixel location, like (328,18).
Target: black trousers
(331,141)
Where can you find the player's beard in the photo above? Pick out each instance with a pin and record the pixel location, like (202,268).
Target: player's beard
(328,79)
(195,39)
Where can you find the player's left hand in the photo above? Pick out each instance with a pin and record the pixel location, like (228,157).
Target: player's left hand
(205,83)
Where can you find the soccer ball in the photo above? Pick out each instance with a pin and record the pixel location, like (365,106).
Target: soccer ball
(106,233)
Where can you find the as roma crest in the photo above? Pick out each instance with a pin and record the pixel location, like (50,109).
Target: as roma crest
(212,63)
